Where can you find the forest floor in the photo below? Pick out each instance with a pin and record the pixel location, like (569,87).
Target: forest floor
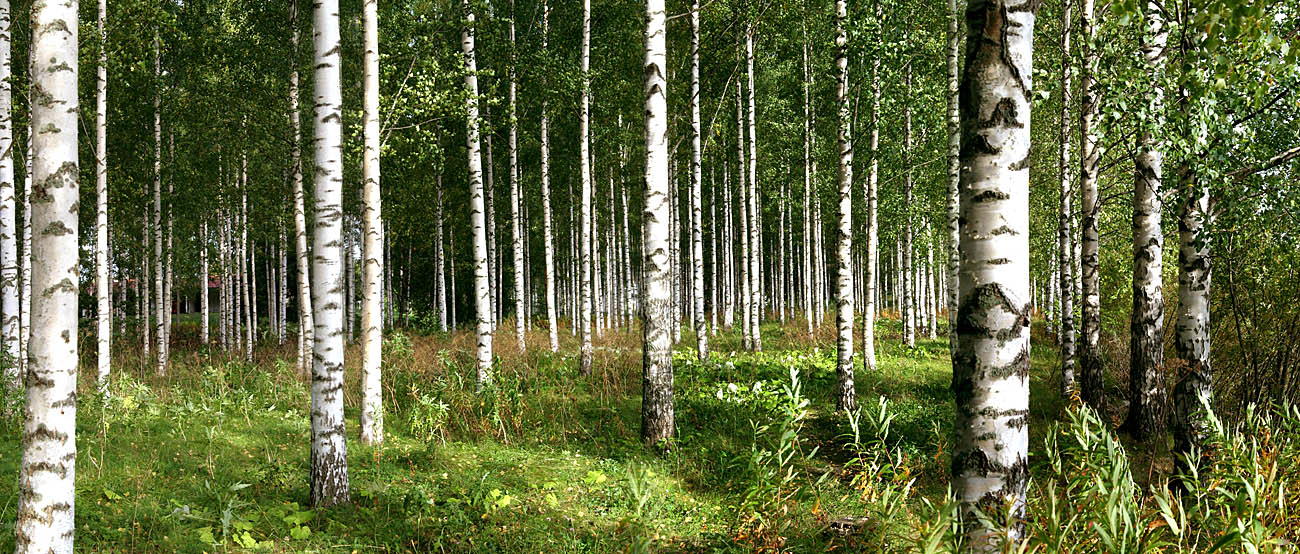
(214,456)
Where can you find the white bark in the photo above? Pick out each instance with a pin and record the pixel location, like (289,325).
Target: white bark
(807,183)
(1148,394)
(103,286)
(746,299)
(306,325)
(203,284)
(845,398)
(1065,235)
(516,216)
(1194,389)
(909,270)
(755,251)
(872,260)
(329,461)
(440,255)
(697,230)
(372,394)
(46,478)
(482,279)
(552,325)
(954,170)
(160,321)
(9,281)
(657,398)
(991,366)
(584,248)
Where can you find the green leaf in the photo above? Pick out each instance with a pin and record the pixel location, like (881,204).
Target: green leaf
(300,532)
(299,518)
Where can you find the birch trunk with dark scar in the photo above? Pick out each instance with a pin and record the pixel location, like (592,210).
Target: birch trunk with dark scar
(584,141)
(9,282)
(46,478)
(482,277)
(1148,395)
(991,363)
(25,291)
(306,325)
(204,325)
(490,224)
(1193,391)
(440,258)
(329,461)
(845,398)
(372,344)
(1065,240)
(657,377)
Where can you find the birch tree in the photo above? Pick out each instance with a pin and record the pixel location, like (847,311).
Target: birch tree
(870,201)
(991,366)
(103,286)
(329,460)
(548,235)
(306,324)
(516,215)
(372,345)
(1065,240)
(1193,391)
(47,474)
(657,380)
(697,230)
(156,237)
(754,253)
(482,279)
(954,169)
(9,282)
(844,396)
(1090,368)
(584,152)
(1147,390)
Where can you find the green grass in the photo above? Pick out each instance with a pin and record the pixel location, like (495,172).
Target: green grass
(215,457)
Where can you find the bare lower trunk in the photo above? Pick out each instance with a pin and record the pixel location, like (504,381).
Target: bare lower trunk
(46,478)
(306,325)
(585,253)
(954,171)
(844,397)
(1193,391)
(552,317)
(909,270)
(697,231)
(755,251)
(329,461)
(1064,235)
(991,367)
(10,378)
(372,396)
(1148,394)
(657,377)
(482,280)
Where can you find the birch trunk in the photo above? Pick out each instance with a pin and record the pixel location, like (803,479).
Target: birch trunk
(516,215)
(954,171)
(306,325)
(204,325)
(1148,394)
(46,479)
(697,230)
(755,240)
(657,398)
(552,317)
(991,366)
(746,300)
(160,322)
(482,279)
(329,459)
(440,296)
(103,286)
(844,397)
(585,254)
(1064,234)
(1193,390)
(25,291)
(372,345)
(807,183)
(909,269)
(9,281)
(869,271)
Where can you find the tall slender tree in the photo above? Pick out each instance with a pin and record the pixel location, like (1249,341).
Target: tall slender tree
(1065,241)
(103,286)
(584,152)
(871,262)
(697,228)
(755,252)
(1090,368)
(9,281)
(991,366)
(47,475)
(482,279)
(329,454)
(306,323)
(372,343)
(954,169)
(657,376)
(1148,394)
(844,397)
(548,234)
(516,213)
